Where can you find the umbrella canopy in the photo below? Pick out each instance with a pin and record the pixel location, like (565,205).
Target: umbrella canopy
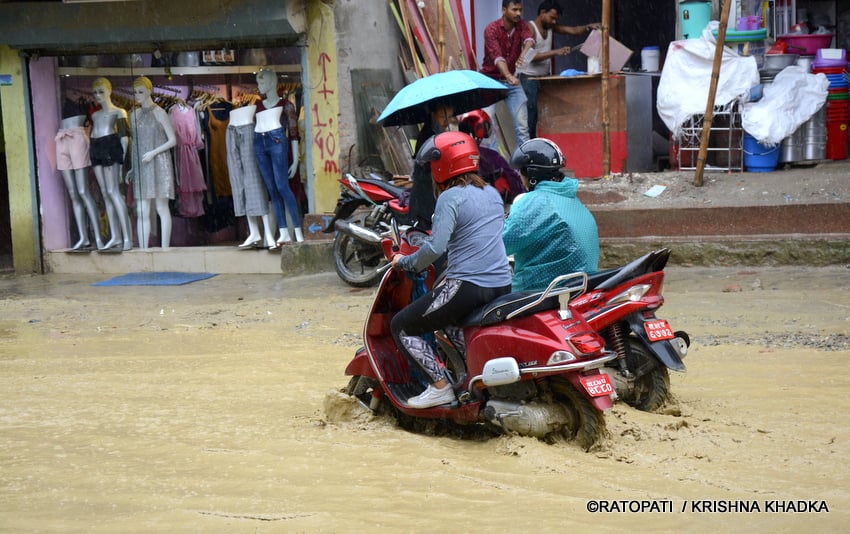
(465,90)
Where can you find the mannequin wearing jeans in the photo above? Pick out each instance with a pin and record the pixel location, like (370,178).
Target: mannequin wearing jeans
(72,160)
(271,147)
(250,197)
(108,146)
(153,168)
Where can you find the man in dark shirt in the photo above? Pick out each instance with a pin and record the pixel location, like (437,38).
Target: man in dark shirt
(506,40)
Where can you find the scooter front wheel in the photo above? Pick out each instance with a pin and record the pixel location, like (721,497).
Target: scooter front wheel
(587,424)
(361,387)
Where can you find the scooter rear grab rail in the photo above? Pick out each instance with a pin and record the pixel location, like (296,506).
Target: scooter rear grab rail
(551,291)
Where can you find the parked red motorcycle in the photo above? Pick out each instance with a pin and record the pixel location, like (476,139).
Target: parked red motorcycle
(621,304)
(531,365)
(362,217)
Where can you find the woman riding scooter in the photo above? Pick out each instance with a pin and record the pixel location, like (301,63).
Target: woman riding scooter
(468,221)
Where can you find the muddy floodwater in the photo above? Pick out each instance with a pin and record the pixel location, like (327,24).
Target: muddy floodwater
(215,407)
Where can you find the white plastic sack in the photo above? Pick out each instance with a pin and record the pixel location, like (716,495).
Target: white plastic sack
(686,78)
(793,97)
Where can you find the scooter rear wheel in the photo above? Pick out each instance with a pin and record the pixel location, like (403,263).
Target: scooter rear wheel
(588,425)
(650,391)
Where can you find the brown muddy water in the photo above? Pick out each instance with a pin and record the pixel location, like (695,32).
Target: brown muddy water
(215,407)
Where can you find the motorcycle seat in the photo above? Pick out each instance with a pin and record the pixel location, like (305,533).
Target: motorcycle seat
(497,310)
(394,190)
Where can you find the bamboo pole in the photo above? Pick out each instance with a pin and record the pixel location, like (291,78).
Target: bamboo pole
(712,91)
(606,122)
(441,37)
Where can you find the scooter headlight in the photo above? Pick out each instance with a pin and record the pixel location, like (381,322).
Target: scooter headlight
(632,294)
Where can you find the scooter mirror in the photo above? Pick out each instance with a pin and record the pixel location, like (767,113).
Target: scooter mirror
(500,371)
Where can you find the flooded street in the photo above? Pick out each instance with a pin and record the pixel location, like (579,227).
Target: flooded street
(215,407)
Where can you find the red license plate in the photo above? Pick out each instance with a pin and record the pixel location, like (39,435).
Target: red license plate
(658,329)
(598,385)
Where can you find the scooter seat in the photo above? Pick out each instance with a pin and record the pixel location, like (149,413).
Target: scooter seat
(648,263)
(497,310)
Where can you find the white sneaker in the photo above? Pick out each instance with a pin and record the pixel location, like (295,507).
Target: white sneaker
(432,397)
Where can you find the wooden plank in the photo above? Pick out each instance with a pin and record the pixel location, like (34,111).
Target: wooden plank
(463,32)
(451,46)
(421,36)
(419,67)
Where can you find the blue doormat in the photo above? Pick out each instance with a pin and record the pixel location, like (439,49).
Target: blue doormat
(155,279)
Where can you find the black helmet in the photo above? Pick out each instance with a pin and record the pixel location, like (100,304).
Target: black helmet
(539,160)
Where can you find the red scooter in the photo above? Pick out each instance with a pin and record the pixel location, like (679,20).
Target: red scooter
(362,217)
(621,304)
(531,365)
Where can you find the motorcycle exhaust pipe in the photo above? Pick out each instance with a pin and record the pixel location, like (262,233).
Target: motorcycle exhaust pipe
(357,232)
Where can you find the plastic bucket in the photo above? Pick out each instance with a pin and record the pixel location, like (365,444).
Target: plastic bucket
(836,139)
(694,17)
(759,158)
(649,58)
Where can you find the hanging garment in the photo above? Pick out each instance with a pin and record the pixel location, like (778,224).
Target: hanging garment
(218,117)
(190,175)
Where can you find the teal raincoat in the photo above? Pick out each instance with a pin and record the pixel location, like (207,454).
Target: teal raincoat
(550,232)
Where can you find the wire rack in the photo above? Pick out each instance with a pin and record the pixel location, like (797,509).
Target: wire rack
(725,144)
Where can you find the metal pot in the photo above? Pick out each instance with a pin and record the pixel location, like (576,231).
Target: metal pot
(778,62)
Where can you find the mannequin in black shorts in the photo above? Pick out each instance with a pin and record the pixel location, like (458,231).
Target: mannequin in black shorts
(108,145)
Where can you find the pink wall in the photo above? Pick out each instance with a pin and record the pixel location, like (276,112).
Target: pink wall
(55,216)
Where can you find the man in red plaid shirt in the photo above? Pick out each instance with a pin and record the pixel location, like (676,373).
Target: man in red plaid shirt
(505,42)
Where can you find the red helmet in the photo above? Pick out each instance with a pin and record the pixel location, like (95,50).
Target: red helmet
(476,123)
(451,154)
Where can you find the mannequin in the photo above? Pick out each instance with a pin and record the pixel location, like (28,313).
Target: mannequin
(271,144)
(153,169)
(72,160)
(250,197)
(108,146)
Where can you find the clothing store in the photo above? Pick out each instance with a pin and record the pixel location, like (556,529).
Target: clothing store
(156,128)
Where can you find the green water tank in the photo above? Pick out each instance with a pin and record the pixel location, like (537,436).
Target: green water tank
(694,16)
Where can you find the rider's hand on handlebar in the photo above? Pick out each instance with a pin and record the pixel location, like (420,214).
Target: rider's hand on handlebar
(395,260)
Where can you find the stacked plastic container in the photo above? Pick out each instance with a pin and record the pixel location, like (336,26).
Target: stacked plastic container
(833,63)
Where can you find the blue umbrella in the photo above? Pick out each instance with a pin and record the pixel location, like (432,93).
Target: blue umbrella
(465,90)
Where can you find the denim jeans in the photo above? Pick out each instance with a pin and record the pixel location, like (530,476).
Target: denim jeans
(272,151)
(530,86)
(516,102)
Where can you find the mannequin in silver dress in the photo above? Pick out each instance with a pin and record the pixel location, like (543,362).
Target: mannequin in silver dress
(153,167)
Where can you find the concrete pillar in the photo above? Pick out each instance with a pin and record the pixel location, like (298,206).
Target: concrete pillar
(14,101)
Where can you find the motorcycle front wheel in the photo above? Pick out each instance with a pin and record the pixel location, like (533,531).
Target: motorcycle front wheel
(588,424)
(357,262)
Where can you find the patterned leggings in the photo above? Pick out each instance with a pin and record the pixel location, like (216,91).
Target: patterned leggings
(445,305)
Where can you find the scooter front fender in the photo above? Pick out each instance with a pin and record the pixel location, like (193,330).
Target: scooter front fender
(360,365)
(663,350)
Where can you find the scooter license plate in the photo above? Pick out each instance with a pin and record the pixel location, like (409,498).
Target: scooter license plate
(658,330)
(598,385)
